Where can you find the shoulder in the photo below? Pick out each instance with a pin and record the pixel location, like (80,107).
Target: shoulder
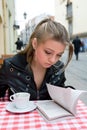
(57,69)
(18,60)
(58,66)
(57,76)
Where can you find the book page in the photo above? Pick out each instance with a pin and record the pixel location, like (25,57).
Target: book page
(51,110)
(66,97)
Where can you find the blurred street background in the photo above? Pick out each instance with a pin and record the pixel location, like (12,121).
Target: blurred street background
(18,18)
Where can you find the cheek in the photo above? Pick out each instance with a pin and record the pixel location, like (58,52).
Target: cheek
(40,56)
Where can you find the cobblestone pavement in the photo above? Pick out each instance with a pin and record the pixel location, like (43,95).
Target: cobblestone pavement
(76,73)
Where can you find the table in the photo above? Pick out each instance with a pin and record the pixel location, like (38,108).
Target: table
(33,120)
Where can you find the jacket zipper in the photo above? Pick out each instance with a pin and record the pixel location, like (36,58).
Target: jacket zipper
(38,96)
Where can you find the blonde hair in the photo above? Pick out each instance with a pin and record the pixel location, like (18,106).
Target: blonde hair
(48,29)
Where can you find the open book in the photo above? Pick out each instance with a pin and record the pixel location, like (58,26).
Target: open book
(62,105)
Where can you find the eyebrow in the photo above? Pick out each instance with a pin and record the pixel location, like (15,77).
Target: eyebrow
(53,51)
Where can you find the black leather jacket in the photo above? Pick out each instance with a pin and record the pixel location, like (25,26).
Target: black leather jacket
(15,76)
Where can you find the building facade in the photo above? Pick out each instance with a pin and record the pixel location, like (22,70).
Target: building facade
(8,33)
(72,13)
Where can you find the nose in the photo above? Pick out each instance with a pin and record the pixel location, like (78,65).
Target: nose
(52,59)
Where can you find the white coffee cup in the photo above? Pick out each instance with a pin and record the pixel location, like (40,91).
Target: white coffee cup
(20,100)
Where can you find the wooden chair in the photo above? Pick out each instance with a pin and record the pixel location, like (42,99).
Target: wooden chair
(1,62)
(4,56)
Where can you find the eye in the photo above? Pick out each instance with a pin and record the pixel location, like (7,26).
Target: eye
(47,52)
(59,55)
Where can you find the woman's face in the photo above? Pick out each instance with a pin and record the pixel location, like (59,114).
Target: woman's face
(48,53)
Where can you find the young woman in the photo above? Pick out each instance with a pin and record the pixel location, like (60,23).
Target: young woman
(38,63)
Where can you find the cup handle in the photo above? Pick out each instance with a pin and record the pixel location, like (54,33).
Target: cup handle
(12,97)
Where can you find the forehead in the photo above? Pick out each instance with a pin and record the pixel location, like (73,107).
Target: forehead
(53,45)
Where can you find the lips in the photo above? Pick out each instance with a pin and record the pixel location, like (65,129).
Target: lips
(48,64)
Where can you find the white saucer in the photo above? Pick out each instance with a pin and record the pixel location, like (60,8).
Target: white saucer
(10,107)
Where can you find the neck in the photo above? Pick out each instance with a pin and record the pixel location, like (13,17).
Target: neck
(38,72)
(37,66)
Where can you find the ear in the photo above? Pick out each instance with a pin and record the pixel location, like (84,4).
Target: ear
(34,43)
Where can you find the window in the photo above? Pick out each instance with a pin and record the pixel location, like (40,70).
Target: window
(69,10)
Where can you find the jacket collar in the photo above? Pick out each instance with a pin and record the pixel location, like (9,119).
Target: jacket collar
(19,60)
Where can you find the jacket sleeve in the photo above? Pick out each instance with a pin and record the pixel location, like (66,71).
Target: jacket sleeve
(59,80)
(3,80)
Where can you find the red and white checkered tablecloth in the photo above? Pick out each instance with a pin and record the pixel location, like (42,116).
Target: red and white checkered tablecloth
(33,120)
(5,98)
